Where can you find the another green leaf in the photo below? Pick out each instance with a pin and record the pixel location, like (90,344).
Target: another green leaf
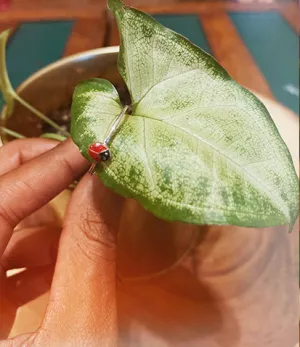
(197,147)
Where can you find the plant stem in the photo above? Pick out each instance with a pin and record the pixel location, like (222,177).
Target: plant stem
(12,133)
(40,115)
(53,136)
(5,85)
(10,94)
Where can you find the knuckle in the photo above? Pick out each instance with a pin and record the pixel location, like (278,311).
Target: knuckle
(95,237)
(24,340)
(8,201)
(7,216)
(68,167)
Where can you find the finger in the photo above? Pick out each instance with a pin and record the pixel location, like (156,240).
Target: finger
(35,183)
(83,297)
(44,216)
(31,247)
(16,153)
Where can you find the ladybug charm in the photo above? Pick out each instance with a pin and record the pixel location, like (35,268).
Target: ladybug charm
(99,152)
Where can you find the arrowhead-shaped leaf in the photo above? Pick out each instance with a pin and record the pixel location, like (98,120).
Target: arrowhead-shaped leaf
(198,147)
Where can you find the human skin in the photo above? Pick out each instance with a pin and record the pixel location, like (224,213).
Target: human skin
(240,290)
(32,173)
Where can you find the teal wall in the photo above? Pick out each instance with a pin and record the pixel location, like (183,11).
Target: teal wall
(188,26)
(269,38)
(274,46)
(33,46)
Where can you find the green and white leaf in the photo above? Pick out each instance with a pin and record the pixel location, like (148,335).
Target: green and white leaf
(198,147)
(5,85)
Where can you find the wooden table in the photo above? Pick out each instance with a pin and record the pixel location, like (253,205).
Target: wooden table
(238,288)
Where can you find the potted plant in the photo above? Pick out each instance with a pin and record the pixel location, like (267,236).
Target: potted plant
(192,147)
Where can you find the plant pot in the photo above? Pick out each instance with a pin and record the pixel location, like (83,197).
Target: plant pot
(146,244)
(51,88)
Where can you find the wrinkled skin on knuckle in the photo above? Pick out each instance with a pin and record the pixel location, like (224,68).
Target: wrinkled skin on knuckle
(7,214)
(95,237)
(15,211)
(24,340)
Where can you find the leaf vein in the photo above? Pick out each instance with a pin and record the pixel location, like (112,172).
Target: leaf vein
(150,172)
(256,181)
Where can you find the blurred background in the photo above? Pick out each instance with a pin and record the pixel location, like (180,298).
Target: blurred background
(255,40)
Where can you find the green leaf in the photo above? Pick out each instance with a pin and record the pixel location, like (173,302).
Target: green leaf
(5,85)
(197,147)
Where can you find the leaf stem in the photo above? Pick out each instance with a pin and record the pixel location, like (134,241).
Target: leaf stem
(10,94)
(53,136)
(11,133)
(40,115)
(5,85)
(115,125)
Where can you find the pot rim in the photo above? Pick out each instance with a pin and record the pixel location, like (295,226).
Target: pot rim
(78,56)
(56,65)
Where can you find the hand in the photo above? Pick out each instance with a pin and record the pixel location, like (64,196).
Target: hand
(82,305)
(238,288)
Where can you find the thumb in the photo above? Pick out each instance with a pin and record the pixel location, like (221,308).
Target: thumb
(82,306)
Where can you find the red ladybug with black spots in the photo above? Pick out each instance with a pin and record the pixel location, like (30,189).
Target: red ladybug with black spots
(99,152)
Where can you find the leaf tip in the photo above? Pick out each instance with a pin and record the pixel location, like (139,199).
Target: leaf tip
(5,34)
(290,230)
(115,5)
